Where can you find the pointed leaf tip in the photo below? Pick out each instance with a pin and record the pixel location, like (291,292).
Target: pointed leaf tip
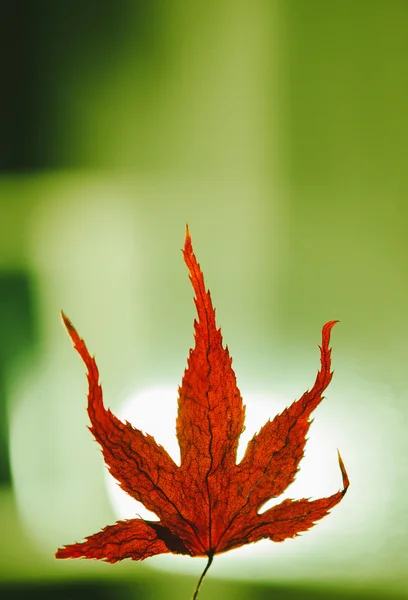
(188,247)
(346,481)
(73,334)
(63,316)
(326,332)
(68,323)
(327,327)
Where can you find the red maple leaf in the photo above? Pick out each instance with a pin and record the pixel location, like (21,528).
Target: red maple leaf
(209,504)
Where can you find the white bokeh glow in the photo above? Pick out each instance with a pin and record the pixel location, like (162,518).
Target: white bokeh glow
(154,411)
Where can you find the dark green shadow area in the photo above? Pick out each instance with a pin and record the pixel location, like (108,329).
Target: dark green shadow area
(72,591)
(18,334)
(179,588)
(307,593)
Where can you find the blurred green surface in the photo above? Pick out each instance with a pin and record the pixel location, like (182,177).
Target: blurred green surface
(278,130)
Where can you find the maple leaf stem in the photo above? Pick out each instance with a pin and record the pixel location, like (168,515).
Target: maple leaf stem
(203,574)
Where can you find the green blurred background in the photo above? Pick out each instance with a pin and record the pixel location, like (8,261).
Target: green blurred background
(278,130)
